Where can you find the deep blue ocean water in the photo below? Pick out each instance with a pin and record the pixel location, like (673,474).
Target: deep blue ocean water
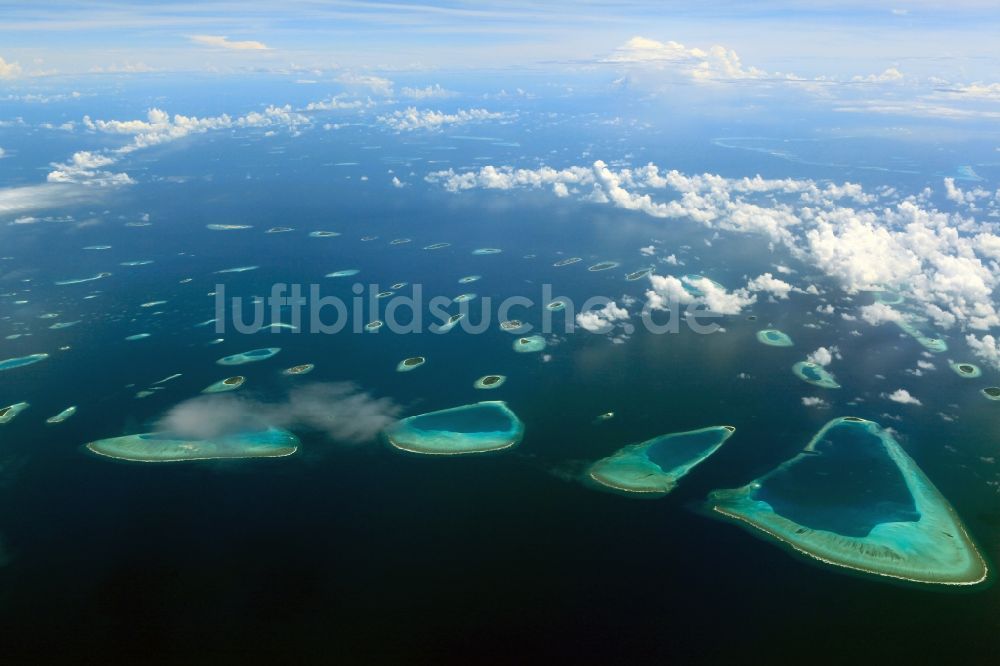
(357,552)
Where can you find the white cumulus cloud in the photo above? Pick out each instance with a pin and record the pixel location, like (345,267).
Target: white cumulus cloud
(221,41)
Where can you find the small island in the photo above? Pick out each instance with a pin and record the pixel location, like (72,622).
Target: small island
(991,392)
(490,382)
(967,370)
(227,384)
(302,369)
(529,344)
(411,363)
(450,324)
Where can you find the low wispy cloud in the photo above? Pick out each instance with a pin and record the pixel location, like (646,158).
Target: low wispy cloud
(430,92)
(412,118)
(376,84)
(903,397)
(223,42)
(9,70)
(341,411)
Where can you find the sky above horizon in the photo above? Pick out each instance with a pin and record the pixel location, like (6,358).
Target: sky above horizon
(880,116)
(810,39)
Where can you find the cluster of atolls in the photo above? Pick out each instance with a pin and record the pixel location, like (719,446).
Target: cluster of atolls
(852,498)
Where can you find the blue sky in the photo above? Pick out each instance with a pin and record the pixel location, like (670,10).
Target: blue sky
(814,38)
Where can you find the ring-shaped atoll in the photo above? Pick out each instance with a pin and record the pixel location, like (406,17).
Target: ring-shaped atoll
(477,428)
(157,447)
(653,468)
(815,374)
(853,498)
(774,338)
(251,356)
(967,370)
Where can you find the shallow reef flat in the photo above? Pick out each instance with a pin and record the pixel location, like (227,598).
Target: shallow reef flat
(99,276)
(249,356)
(639,274)
(567,262)
(529,344)
(967,370)
(487,382)
(8,413)
(21,361)
(653,468)
(909,324)
(690,279)
(991,392)
(853,498)
(477,428)
(815,374)
(165,447)
(61,416)
(774,338)
(227,384)
(411,363)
